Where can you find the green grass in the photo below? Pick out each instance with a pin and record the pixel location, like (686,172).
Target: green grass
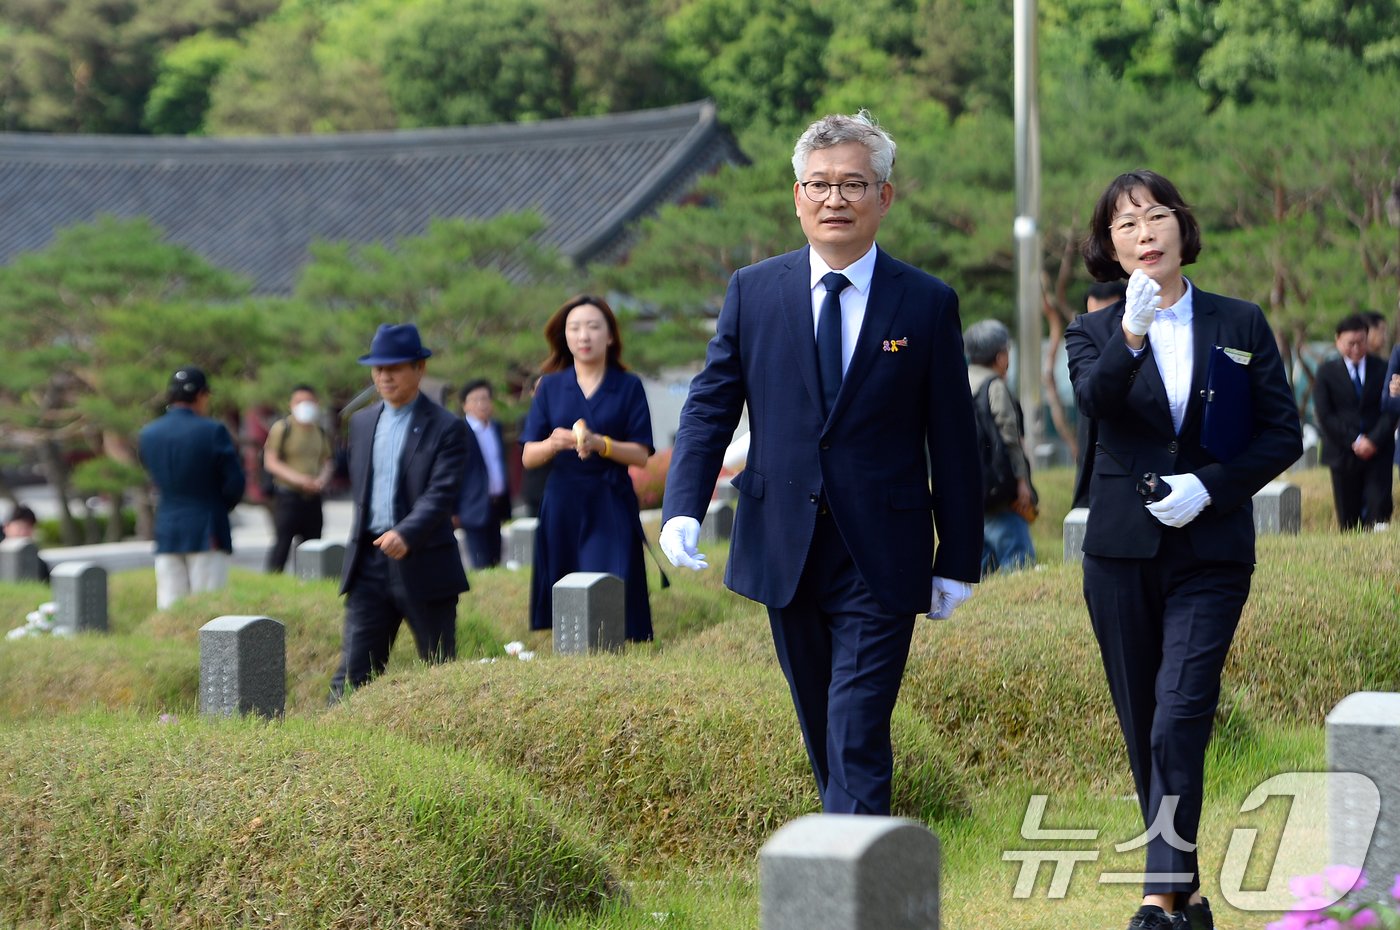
(113,821)
(600,792)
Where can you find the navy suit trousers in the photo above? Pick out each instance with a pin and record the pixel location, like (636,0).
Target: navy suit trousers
(1164,627)
(1361,492)
(844,657)
(484,542)
(377,602)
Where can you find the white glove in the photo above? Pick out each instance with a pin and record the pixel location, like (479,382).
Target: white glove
(1143,298)
(679,538)
(947,595)
(1186,501)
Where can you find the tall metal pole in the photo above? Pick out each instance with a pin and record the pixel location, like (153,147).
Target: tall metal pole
(1027,226)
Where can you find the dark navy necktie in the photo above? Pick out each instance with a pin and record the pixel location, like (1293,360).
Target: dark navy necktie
(829,338)
(1356,381)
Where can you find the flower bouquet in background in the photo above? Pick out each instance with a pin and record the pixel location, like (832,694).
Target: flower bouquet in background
(37,623)
(650,481)
(1329,902)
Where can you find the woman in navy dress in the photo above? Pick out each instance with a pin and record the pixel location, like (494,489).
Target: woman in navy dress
(589,421)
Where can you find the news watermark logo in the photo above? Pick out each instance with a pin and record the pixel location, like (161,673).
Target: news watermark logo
(1261,841)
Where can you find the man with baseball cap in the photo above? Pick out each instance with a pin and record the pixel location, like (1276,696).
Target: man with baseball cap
(407,458)
(199,478)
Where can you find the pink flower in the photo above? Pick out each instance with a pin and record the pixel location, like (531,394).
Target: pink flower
(1344,878)
(1306,886)
(1326,924)
(1395,889)
(1364,918)
(1287,923)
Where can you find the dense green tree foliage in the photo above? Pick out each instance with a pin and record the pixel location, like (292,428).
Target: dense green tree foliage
(179,100)
(285,82)
(89,65)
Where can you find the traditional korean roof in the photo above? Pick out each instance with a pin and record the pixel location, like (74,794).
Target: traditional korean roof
(253,205)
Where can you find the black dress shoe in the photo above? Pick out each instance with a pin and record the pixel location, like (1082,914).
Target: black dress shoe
(1152,917)
(1198,916)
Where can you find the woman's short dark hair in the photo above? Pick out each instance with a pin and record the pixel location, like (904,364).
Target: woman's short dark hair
(1098,249)
(559,355)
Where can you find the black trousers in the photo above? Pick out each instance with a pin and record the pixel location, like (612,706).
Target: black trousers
(1164,627)
(1361,491)
(378,601)
(293,515)
(484,542)
(844,656)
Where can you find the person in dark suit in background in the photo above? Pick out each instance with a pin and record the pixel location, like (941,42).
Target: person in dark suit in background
(484,503)
(1358,436)
(197,471)
(407,458)
(1390,393)
(1165,579)
(1101,296)
(851,365)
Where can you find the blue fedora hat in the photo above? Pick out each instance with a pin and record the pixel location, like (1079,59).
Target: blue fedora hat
(395,343)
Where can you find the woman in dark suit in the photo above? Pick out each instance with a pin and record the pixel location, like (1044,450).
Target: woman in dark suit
(1167,563)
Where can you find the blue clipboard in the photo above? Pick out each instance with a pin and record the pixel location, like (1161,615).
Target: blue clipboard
(1228,424)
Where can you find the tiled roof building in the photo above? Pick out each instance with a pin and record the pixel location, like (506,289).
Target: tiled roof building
(253,205)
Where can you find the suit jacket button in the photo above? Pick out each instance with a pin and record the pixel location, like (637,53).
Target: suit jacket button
(1172,447)
(826,446)
(814,498)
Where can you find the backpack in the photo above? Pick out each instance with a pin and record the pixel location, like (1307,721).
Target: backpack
(998,480)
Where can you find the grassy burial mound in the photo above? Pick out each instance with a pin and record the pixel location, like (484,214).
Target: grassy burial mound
(111,822)
(680,763)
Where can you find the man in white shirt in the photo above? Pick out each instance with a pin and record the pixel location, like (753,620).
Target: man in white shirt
(485,500)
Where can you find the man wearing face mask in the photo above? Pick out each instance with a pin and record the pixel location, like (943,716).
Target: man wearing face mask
(299,458)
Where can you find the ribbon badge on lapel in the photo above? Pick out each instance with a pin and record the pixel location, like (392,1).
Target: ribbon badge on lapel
(894,345)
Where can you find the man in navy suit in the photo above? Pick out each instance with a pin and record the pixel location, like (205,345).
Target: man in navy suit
(195,467)
(484,503)
(851,366)
(1358,436)
(407,456)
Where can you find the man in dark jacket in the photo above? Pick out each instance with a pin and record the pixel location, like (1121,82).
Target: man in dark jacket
(1358,437)
(195,467)
(407,458)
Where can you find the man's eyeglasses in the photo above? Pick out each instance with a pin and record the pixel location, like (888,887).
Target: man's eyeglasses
(851,191)
(1128,225)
